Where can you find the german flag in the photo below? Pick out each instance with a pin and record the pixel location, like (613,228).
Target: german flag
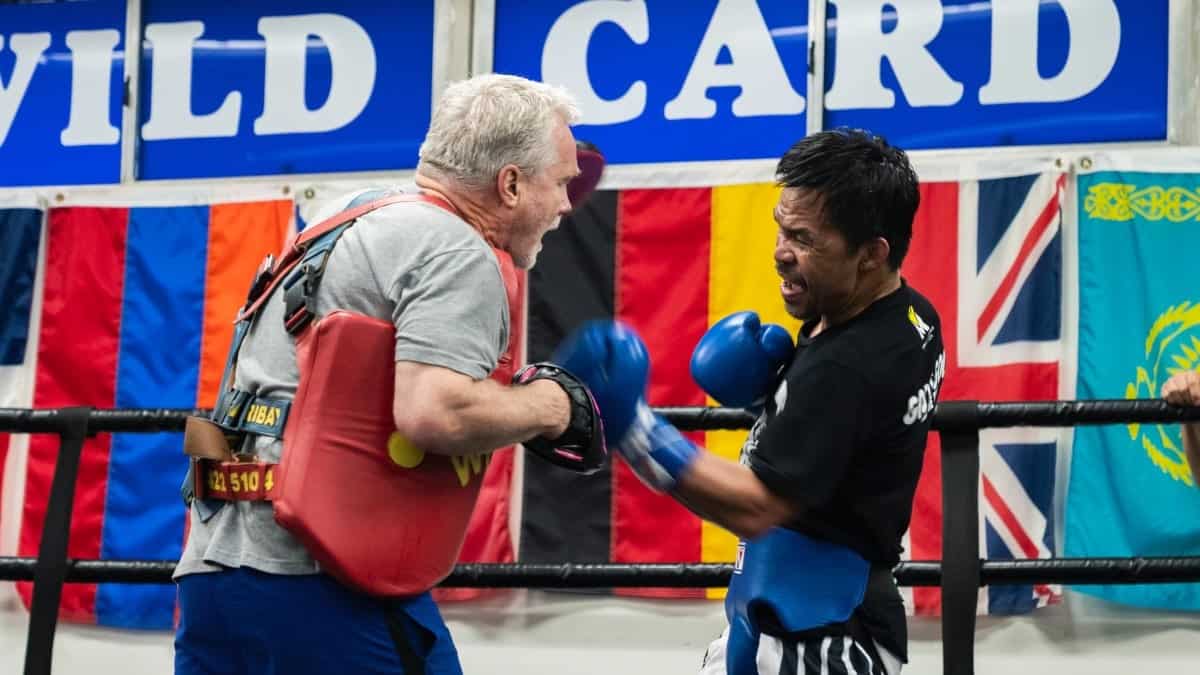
(670,263)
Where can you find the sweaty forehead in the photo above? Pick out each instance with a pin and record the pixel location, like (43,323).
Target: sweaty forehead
(799,206)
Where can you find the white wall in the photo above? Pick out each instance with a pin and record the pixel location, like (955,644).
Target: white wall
(543,633)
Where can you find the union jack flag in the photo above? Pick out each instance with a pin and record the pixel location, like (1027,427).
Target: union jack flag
(989,255)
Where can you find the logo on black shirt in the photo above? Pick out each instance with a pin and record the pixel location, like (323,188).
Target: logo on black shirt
(920,404)
(751,443)
(924,330)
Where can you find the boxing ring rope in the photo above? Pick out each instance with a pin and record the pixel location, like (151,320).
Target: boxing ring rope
(679,575)
(959,574)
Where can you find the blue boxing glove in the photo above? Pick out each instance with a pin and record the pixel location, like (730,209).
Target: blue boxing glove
(612,361)
(737,360)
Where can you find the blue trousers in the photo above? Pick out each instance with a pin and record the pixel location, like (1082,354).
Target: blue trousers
(241,621)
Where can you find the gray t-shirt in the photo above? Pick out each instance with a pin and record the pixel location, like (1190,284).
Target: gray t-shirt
(438,281)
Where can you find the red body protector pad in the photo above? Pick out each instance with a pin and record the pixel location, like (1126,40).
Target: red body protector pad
(377,513)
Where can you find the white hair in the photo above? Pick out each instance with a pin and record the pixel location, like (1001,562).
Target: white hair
(488,121)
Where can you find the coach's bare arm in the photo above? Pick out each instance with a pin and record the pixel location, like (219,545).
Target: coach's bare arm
(1184,389)
(448,413)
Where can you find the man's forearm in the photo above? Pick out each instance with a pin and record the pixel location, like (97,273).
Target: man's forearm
(730,495)
(492,416)
(1191,447)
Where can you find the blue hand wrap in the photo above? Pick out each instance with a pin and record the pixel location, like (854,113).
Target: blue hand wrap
(655,449)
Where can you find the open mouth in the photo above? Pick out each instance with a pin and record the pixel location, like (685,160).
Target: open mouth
(792,288)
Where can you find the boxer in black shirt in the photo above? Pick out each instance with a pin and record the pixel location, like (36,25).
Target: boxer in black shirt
(824,490)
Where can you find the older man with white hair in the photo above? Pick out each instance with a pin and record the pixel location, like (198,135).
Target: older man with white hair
(332,485)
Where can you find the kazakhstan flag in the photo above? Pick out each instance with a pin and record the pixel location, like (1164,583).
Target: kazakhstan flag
(1131,492)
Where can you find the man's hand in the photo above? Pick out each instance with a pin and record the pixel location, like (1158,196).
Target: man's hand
(1183,389)
(578,442)
(612,360)
(738,359)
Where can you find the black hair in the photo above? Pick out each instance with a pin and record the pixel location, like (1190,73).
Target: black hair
(864,187)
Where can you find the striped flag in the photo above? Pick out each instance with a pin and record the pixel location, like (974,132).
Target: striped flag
(130,308)
(20,241)
(133,308)
(136,307)
(988,254)
(671,262)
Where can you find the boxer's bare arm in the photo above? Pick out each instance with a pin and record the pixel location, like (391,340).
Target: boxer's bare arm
(447,413)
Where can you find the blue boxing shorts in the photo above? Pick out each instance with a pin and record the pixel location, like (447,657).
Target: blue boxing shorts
(241,621)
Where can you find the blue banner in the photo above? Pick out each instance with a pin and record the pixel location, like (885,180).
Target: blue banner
(668,81)
(61,72)
(1043,73)
(1131,491)
(283,87)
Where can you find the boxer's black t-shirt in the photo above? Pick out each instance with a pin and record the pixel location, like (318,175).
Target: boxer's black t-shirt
(844,435)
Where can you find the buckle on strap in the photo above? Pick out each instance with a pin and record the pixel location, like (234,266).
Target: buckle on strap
(239,410)
(296,312)
(262,281)
(300,287)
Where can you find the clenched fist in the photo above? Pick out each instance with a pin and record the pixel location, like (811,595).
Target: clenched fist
(1183,388)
